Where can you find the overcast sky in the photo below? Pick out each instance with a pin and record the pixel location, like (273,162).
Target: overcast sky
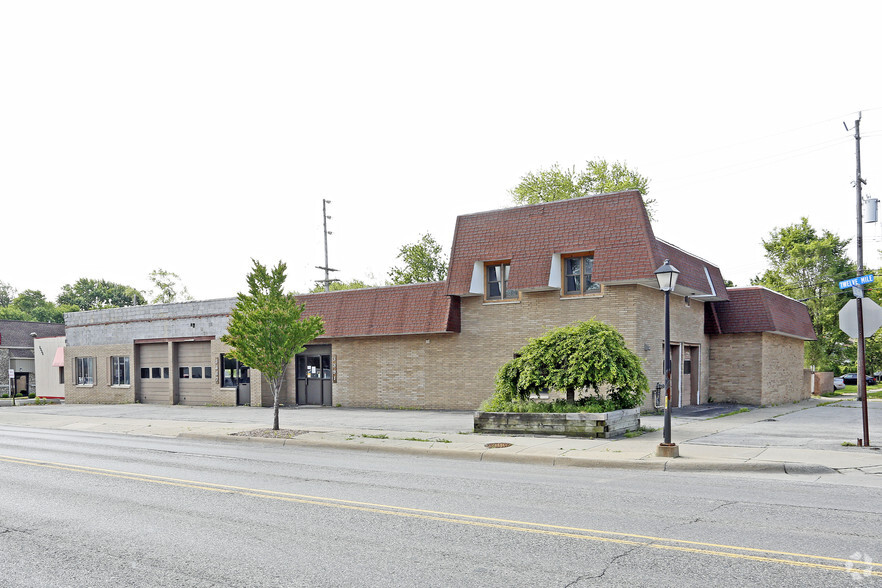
(194,136)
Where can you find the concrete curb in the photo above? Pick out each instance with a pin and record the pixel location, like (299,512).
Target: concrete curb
(506,455)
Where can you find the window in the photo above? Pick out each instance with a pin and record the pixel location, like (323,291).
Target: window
(85,371)
(196,372)
(61,374)
(184,372)
(207,371)
(119,371)
(497,282)
(164,373)
(578,271)
(145,373)
(155,372)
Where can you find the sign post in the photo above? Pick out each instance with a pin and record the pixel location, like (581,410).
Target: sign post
(857,286)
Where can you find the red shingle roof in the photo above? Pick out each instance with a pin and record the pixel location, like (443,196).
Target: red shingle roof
(393,310)
(756,310)
(613,226)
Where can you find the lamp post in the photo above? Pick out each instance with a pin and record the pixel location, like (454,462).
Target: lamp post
(667,280)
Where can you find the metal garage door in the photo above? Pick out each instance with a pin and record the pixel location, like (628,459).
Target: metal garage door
(194,373)
(154,385)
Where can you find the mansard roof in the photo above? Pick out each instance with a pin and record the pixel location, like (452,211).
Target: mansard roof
(756,310)
(390,310)
(614,227)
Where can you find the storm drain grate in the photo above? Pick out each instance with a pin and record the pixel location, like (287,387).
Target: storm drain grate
(496,445)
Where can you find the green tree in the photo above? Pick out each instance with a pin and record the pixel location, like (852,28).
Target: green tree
(7,294)
(584,356)
(167,287)
(598,177)
(424,261)
(807,266)
(31,305)
(89,294)
(336,286)
(266,329)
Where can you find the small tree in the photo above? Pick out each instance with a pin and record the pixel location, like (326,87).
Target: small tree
(168,287)
(423,262)
(266,329)
(584,356)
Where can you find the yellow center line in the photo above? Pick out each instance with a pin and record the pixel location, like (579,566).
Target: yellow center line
(649,541)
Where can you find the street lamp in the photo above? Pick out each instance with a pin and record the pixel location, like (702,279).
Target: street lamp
(667,280)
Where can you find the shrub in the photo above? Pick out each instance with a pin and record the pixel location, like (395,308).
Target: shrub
(32,395)
(589,357)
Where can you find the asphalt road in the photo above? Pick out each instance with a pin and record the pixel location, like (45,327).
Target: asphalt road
(86,509)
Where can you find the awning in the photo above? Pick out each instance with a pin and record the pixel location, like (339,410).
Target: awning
(59,358)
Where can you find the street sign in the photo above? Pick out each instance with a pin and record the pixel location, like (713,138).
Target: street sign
(857,281)
(872,318)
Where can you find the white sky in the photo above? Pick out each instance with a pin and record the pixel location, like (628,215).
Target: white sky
(194,136)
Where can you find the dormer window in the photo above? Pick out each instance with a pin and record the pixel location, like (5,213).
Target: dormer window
(497,282)
(577,273)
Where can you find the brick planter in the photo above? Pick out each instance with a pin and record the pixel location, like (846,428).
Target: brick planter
(602,425)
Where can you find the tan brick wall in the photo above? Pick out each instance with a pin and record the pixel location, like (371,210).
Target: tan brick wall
(783,378)
(456,371)
(757,368)
(736,366)
(101,392)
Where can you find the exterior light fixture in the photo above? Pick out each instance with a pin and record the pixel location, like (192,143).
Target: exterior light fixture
(667,281)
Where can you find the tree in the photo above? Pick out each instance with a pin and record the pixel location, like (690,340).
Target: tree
(266,329)
(336,286)
(423,262)
(598,177)
(167,287)
(31,305)
(585,356)
(7,294)
(808,266)
(89,294)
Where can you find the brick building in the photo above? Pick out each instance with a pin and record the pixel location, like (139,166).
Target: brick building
(17,345)
(514,274)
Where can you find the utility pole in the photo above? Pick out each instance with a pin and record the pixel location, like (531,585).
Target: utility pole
(862,360)
(327,281)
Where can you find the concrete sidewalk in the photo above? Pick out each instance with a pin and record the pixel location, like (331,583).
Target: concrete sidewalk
(803,438)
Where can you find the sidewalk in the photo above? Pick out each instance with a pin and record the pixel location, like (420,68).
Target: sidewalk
(803,438)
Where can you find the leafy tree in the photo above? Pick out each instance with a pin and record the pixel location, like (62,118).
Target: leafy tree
(584,356)
(423,262)
(807,266)
(89,294)
(266,329)
(335,286)
(729,284)
(167,287)
(7,294)
(31,305)
(598,177)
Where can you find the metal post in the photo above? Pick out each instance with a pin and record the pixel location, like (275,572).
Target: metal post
(667,367)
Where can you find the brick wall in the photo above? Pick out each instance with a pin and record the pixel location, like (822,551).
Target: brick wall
(101,392)
(783,378)
(456,371)
(757,368)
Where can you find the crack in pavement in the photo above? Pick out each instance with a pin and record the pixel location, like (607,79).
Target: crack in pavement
(608,565)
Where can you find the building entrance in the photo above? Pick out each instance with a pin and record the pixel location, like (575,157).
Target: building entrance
(314,375)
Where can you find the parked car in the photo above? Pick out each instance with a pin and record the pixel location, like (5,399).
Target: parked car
(838,384)
(851,380)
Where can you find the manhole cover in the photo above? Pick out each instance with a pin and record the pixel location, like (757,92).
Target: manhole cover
(496,445)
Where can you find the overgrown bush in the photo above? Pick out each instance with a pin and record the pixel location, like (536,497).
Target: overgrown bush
(589,357)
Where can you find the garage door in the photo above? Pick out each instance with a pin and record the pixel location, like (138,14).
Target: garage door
(194,373)
(153,376)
